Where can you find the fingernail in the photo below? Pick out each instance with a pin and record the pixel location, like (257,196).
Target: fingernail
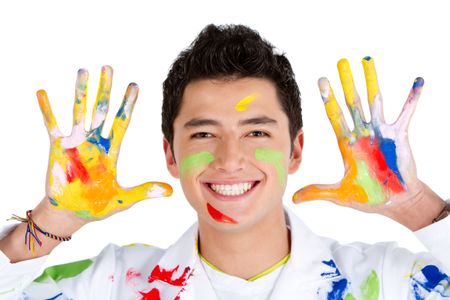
(418,82)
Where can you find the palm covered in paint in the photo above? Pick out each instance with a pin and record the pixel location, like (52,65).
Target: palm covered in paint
(82,167)
(379,167)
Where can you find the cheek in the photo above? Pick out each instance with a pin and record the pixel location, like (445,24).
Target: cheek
(277,161)
(193,163)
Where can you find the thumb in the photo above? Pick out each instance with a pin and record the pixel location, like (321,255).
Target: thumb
(332,192)
(146,190)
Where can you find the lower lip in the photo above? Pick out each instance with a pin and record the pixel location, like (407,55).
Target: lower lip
(231,198)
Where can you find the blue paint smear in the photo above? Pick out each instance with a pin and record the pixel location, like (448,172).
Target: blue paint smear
(52,201)
(55,297)
(120,201)
(95,137)
(333,273)
(388,148)
(368,58)
(102,106)
(418,82)
(435,281)
(121,113)
(338,290)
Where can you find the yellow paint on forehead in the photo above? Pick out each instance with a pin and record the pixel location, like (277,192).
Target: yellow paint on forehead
(244,102)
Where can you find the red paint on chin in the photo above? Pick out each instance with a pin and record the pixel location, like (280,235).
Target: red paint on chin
(218,216)
(151,295)
(161,274)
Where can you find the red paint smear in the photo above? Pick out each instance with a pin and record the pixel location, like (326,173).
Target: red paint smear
(177,297)
(152,295)
(166,275)
(131,274)
(382,171)
(75,168)
(218,216)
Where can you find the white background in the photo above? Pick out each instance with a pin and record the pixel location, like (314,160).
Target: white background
(43,43)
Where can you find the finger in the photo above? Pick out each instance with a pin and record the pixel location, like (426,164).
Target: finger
(333,110)
(79,107)
(49,118)
(351,95)
(410,104)
(338,193)
(373,91)
(123,117)
(102,101)
(316,192)
(144,191)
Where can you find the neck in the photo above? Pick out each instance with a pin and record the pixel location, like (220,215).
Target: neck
(247,252)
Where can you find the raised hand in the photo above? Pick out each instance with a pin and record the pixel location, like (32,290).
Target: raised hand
(82,166)
(379,167)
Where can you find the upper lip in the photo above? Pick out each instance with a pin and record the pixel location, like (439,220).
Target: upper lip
(230,181)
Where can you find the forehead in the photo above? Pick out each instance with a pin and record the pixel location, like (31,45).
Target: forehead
(236,98)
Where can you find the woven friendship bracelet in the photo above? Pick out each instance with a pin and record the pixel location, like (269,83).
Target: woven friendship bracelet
(31,236)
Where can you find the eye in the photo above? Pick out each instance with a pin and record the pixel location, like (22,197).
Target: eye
(258,133)
(201,135)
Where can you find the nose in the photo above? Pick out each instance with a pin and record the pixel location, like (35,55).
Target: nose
(229,156)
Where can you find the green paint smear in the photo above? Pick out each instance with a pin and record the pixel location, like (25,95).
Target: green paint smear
(372,187)
(196,160)
(85,214)
(274,158)
(370,288)
(64,271)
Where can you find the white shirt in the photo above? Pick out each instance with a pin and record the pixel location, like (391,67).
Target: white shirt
(318,268)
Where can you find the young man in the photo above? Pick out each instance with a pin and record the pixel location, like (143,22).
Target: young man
(233,131)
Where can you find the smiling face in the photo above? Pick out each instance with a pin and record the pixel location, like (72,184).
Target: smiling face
(232,151)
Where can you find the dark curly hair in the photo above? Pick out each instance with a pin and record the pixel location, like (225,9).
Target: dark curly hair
(230,52)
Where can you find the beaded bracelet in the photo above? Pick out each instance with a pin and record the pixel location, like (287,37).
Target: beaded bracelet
(31,236)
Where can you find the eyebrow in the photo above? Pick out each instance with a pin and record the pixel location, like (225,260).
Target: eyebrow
(260,120)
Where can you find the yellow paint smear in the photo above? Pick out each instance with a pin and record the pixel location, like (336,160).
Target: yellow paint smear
(243,103)
(371,78)
(345,74)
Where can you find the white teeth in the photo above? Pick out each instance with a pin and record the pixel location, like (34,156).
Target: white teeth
(231,189)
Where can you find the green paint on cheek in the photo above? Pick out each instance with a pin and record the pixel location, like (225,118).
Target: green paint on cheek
(274,158)
(196,160)
(370,288)
(372,187)
(60,272)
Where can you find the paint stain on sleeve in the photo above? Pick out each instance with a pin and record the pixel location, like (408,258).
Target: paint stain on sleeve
(64,271)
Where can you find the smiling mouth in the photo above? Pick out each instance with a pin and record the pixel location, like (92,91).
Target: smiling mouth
(235,189)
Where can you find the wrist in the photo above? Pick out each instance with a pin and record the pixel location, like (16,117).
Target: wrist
(420,210)
(444,213)
(58,222)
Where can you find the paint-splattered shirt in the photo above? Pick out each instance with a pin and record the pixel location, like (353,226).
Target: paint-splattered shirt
(318,268)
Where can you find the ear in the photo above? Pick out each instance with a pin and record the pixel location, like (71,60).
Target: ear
(296,155)
(170,159)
